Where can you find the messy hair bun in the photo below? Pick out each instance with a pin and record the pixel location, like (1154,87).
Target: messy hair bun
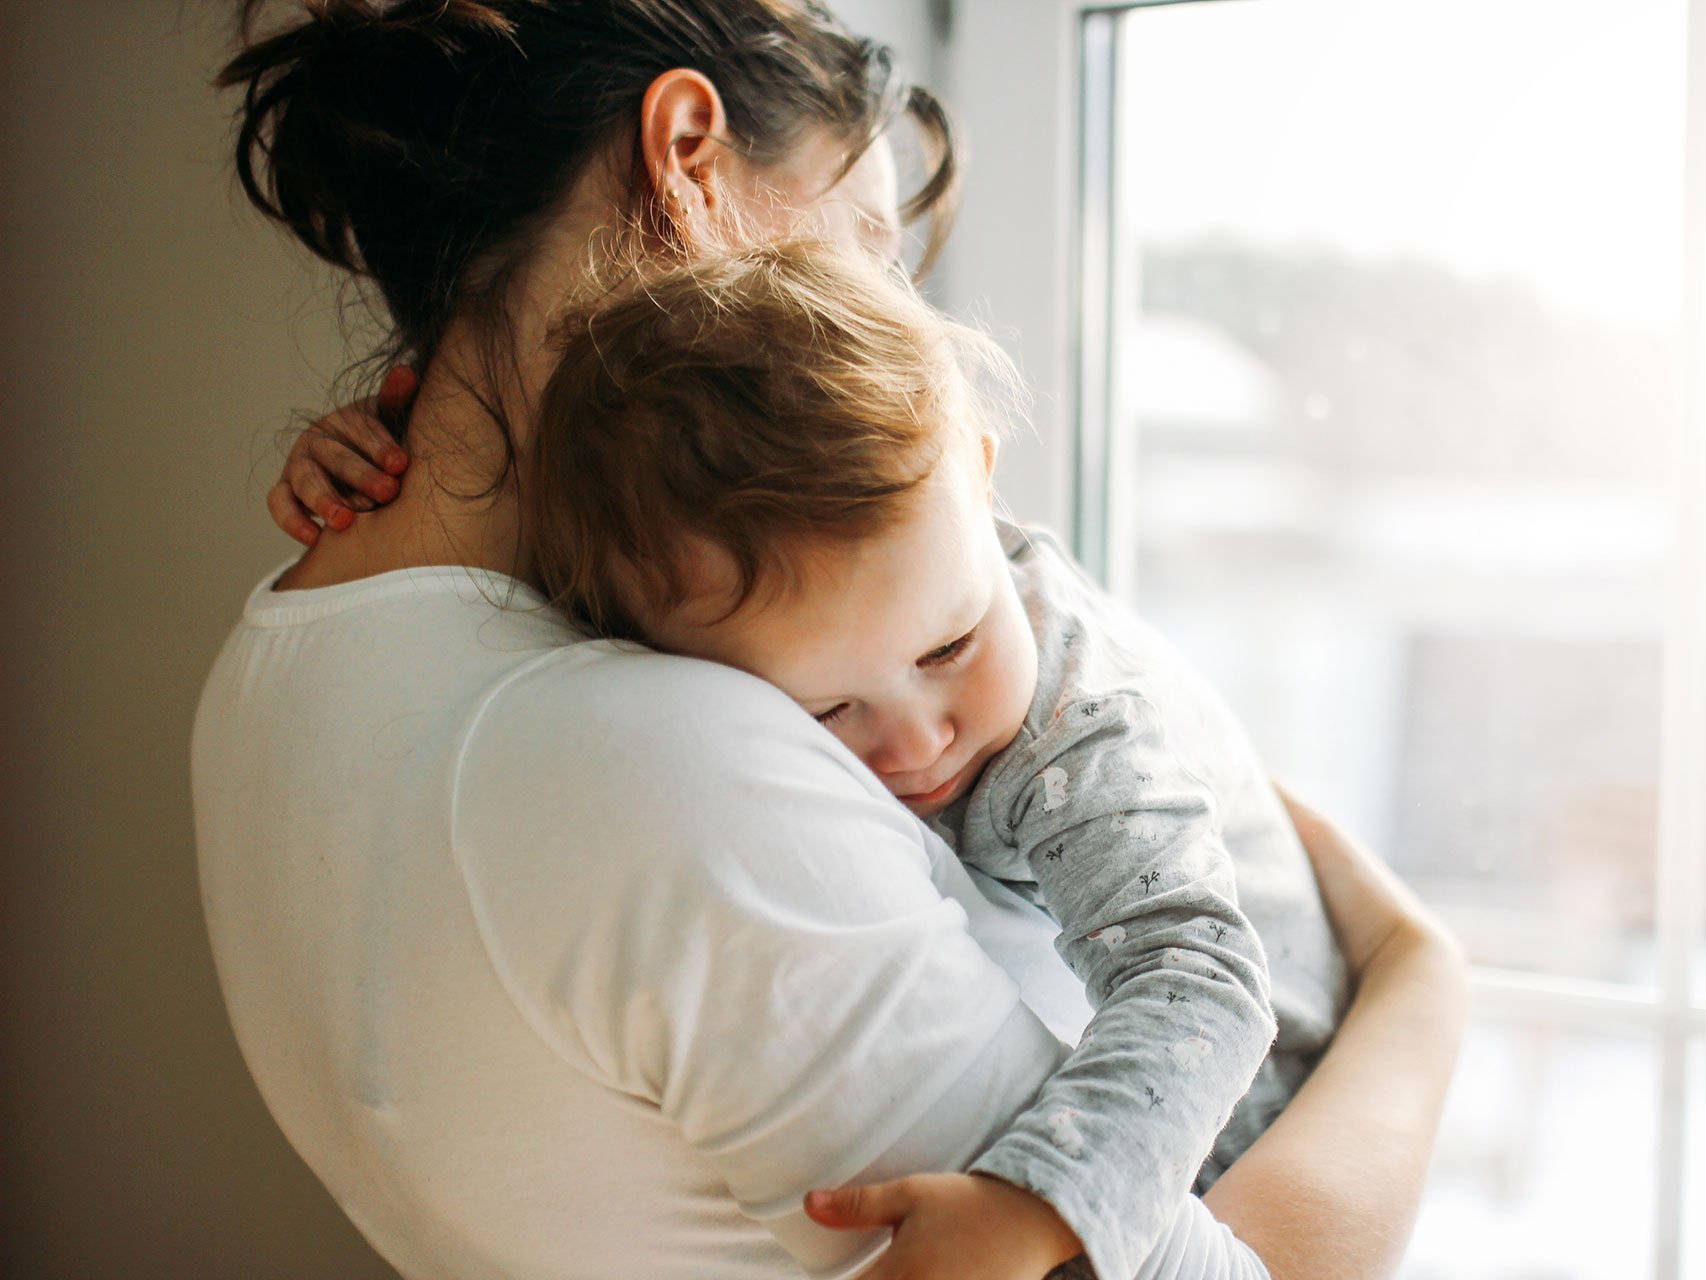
(421,144)
(353,134)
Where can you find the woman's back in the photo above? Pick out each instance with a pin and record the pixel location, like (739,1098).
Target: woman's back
(355,978)
(517,976)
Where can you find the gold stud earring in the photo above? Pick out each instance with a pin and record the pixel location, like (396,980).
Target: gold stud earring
(674,195)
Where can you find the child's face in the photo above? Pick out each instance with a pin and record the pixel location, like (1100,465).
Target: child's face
(911,647)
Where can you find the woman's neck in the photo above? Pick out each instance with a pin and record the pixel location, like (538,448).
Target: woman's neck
(449,511)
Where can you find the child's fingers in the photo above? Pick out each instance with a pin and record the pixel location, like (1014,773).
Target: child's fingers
(356,473)
(358,426)
(396,394)
(290,515)
(313,489)
(881,1204)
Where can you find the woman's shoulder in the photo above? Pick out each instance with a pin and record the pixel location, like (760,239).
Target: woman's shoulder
(647,773)
(438,665)
(592,706)
(484,644)
(618,817)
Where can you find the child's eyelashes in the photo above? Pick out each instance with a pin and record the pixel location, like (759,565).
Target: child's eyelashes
(948,652)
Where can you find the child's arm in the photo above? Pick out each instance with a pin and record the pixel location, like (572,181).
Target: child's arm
(1314,1195)
(1124,846)
(1011,1233)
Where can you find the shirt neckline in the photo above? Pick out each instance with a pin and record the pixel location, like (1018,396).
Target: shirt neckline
(267,607)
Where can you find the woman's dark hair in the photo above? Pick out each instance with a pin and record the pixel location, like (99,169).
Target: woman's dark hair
(422,144)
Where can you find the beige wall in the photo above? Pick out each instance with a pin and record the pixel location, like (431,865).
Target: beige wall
(153,338)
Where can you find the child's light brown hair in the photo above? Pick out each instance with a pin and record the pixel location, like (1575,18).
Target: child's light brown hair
(761,402)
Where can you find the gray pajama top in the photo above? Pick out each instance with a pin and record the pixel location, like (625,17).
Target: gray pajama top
(1132,808)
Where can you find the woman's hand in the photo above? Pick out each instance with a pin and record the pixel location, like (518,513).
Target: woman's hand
(345,463)
(952,1226)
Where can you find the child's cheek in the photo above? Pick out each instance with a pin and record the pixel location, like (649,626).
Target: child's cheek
(1016,673)
(851,738)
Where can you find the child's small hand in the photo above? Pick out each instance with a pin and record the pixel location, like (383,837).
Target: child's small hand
(952,1226)
(347,462)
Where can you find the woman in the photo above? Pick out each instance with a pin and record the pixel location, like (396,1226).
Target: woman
(558,960)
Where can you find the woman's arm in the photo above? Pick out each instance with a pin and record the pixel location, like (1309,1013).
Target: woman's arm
(1332,1188)
(699,898)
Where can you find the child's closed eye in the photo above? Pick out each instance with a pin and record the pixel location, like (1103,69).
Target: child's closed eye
(947,655)
(950,652)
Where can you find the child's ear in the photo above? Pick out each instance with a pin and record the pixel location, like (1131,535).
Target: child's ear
(991,449)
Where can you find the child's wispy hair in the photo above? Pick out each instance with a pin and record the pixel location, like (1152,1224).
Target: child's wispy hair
(758,403)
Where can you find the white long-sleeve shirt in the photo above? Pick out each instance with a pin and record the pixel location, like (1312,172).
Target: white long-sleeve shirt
(555,959)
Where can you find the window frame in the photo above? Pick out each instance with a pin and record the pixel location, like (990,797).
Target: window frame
(1033,82)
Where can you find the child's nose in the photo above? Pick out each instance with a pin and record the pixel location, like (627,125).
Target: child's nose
(911,743)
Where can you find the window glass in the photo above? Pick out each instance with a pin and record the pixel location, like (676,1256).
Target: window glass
(1697,968)
(1545,1163)
(1694,1172)
(1393,387)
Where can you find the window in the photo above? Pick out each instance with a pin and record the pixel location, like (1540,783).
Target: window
(1507,581)
(1387,317)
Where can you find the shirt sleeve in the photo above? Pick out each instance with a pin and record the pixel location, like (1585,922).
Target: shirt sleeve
(702,901)
(1194,1245)
(1122,841)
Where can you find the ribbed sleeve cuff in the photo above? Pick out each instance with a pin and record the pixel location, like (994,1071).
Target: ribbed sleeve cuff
(1098,1229)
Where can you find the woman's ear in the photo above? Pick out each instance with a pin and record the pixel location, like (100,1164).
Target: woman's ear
(991,448)
(681,124)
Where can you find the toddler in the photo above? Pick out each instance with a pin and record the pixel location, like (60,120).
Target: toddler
(780,460)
